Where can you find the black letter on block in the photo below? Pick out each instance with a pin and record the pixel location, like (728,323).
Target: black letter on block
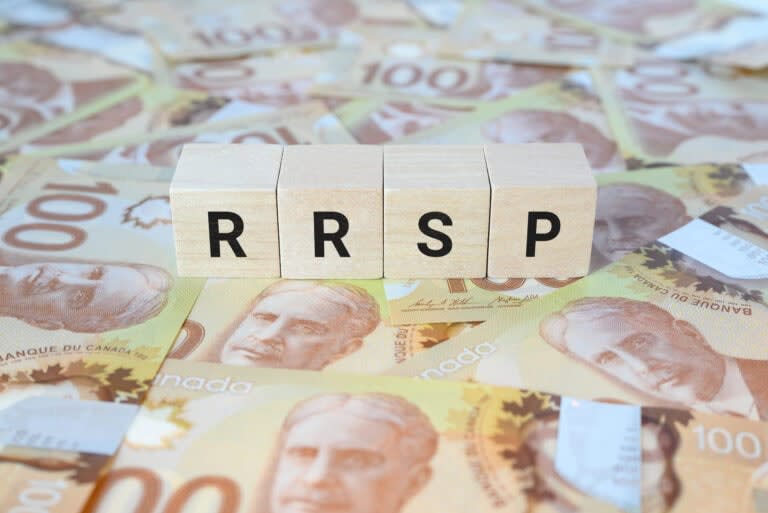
(533,236)
(215,237)
(429,232)
(321,236)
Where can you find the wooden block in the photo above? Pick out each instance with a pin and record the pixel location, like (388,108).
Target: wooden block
(330,212)
(216,185)
(436,201)
(530,184)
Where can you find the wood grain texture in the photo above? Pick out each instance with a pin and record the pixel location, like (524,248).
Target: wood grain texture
(540,177)
(232,178)
(345,179)
(447,179)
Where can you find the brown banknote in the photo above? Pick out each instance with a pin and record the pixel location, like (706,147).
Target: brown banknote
(264,79)
(375,121)
(657,327)
(338,325)
(439,80)
(234,122)
(221,438)
(508,31)
(557,111)
(663,111)
(649,21)
(154,109)
(89,306)
(43,88)
(208,29)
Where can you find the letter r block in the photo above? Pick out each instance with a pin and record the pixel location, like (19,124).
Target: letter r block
(436,201)
(330,212)
(542,210)
(217,191)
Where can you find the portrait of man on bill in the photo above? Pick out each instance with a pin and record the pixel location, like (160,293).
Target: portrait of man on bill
(30,95)
(645,348)
(536,461)
(663,127)
(629,216)
(350,453)
(299,325)
(525,126)
(82,296)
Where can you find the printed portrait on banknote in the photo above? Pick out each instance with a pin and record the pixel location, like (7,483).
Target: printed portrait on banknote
(350,452)
(547,490)
(30,95)
(644,347)
(662,128)
(81,296)
(525,126)
(630,215)
(287,324)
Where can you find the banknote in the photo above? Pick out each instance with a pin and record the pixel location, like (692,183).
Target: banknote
(235,122)
(154,109)
(636,208)
(89,303)
(127,48)
(672,112)
(263,79)
(56,480)
(743,35)
(208,29)
(53,450)
(561,111)
(43,88)
(439,80)
(89,306)
(319,442)
(646,22)
(439,13)
(307,325)
(752,56)
(657,327)
(377,121)
(504,31)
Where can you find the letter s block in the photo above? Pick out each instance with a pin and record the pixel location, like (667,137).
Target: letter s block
(224,208)
(330,212)
(542,210)
(436,201)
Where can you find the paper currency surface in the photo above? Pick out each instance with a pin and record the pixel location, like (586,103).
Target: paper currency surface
(343,443)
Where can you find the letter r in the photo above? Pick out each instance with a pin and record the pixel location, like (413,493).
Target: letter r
(215,236)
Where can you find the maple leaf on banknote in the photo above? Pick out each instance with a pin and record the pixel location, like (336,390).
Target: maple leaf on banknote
(524,461)
(158,425)
(52,373)
(706,284)
(119,382)
(655,258)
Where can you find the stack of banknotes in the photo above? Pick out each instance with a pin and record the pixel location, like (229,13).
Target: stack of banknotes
(642,387)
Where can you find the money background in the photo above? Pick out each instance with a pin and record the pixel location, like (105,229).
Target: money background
(669,99)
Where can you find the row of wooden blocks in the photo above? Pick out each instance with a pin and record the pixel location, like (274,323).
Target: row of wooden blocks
(346,211)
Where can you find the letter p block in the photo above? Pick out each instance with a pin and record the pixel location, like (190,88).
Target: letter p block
(542,210)
(224,208)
